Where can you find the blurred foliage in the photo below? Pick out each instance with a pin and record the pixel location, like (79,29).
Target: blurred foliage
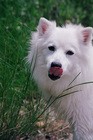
(29,11)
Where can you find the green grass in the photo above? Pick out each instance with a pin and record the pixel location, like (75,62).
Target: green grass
(18,93)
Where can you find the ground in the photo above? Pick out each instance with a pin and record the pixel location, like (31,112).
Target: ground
(52,129)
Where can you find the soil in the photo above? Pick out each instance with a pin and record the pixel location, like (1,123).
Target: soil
(55,130)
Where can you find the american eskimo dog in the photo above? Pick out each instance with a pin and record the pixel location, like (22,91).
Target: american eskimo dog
(61,60)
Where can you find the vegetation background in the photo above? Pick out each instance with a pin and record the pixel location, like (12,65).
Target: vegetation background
(21,105)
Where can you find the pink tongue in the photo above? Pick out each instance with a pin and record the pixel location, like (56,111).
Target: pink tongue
(56,71)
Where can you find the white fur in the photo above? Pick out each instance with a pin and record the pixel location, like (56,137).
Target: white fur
(76,107)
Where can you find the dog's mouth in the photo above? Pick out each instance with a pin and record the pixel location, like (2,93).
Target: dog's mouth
(55,73)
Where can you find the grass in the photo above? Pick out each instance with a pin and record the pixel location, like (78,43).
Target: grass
(20,102)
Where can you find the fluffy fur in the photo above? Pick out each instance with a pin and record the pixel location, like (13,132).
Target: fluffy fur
(72,48)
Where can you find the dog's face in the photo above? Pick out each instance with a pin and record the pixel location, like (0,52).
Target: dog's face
(61,51)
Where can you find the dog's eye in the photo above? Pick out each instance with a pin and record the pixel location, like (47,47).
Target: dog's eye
(69,52)
(51,48)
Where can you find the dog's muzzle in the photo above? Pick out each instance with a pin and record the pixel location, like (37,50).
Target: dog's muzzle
(55,71)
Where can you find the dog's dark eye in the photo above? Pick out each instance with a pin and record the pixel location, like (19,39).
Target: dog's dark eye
(51,48)
(69,52)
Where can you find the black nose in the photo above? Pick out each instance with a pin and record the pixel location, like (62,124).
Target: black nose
(56,64)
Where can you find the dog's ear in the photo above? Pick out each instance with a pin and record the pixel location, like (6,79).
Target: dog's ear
(44,25)
(87,35)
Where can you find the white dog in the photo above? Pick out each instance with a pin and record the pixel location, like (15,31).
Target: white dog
(61,60)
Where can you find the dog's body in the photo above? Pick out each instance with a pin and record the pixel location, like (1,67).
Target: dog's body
(62,58)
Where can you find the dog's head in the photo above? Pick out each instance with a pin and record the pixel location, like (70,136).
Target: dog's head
(60,50)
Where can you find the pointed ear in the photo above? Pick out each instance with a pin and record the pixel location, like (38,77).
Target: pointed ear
(87,34)
(44,25)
